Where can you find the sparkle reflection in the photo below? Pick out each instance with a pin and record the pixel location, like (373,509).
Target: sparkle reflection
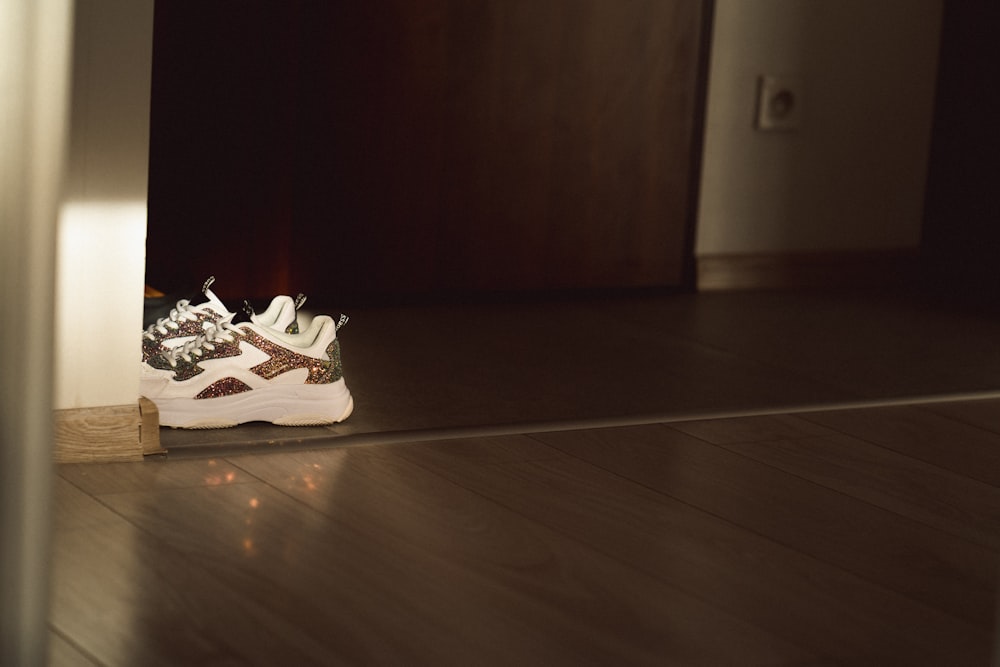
(307,479)
(249,547)
(218,478)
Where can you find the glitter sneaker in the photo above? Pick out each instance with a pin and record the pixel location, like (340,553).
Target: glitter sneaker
(186,321)
(237,372)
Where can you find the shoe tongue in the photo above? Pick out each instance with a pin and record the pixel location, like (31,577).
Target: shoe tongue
(211,300)
(214,302)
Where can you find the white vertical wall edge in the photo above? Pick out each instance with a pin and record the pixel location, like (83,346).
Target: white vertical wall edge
(102,226)
(100,267)
(34,82)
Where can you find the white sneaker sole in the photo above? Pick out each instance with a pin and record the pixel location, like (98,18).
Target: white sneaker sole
(283,405)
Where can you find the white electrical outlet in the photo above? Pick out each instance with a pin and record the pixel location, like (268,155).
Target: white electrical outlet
(779,103)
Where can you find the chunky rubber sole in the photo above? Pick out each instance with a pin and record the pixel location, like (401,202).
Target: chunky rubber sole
(283,405)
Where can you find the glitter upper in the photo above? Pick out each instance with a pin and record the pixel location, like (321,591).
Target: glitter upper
(224,387)
(281,360)
(321,371)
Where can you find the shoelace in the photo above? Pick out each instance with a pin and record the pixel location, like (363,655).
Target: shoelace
(181,311)
(221,331)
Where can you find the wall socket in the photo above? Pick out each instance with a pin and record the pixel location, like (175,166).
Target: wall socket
(779,103)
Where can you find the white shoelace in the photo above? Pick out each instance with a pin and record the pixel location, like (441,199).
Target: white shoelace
(162,325)
(221,331)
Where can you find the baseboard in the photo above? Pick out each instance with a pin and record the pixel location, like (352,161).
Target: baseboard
(866,268)
(107,434)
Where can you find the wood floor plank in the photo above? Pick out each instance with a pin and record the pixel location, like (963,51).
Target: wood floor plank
(750,429)
(143,596)
(984,413)
(946,572)
(73,509)
(486,573)
(127,597)
(922,434)
(478,450)
(920,491)
(833,613)
(531,362)
(63,654)
(151,474)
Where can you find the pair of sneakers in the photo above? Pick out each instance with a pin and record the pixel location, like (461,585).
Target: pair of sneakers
(207,367)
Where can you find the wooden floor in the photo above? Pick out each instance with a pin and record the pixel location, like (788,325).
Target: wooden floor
(855,537)
(797,536)
(638,358)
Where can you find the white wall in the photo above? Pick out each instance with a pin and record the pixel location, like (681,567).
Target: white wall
(102,228)
(852,176)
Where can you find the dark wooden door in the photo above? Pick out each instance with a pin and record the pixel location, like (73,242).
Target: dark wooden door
(392,147)
(961,237)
